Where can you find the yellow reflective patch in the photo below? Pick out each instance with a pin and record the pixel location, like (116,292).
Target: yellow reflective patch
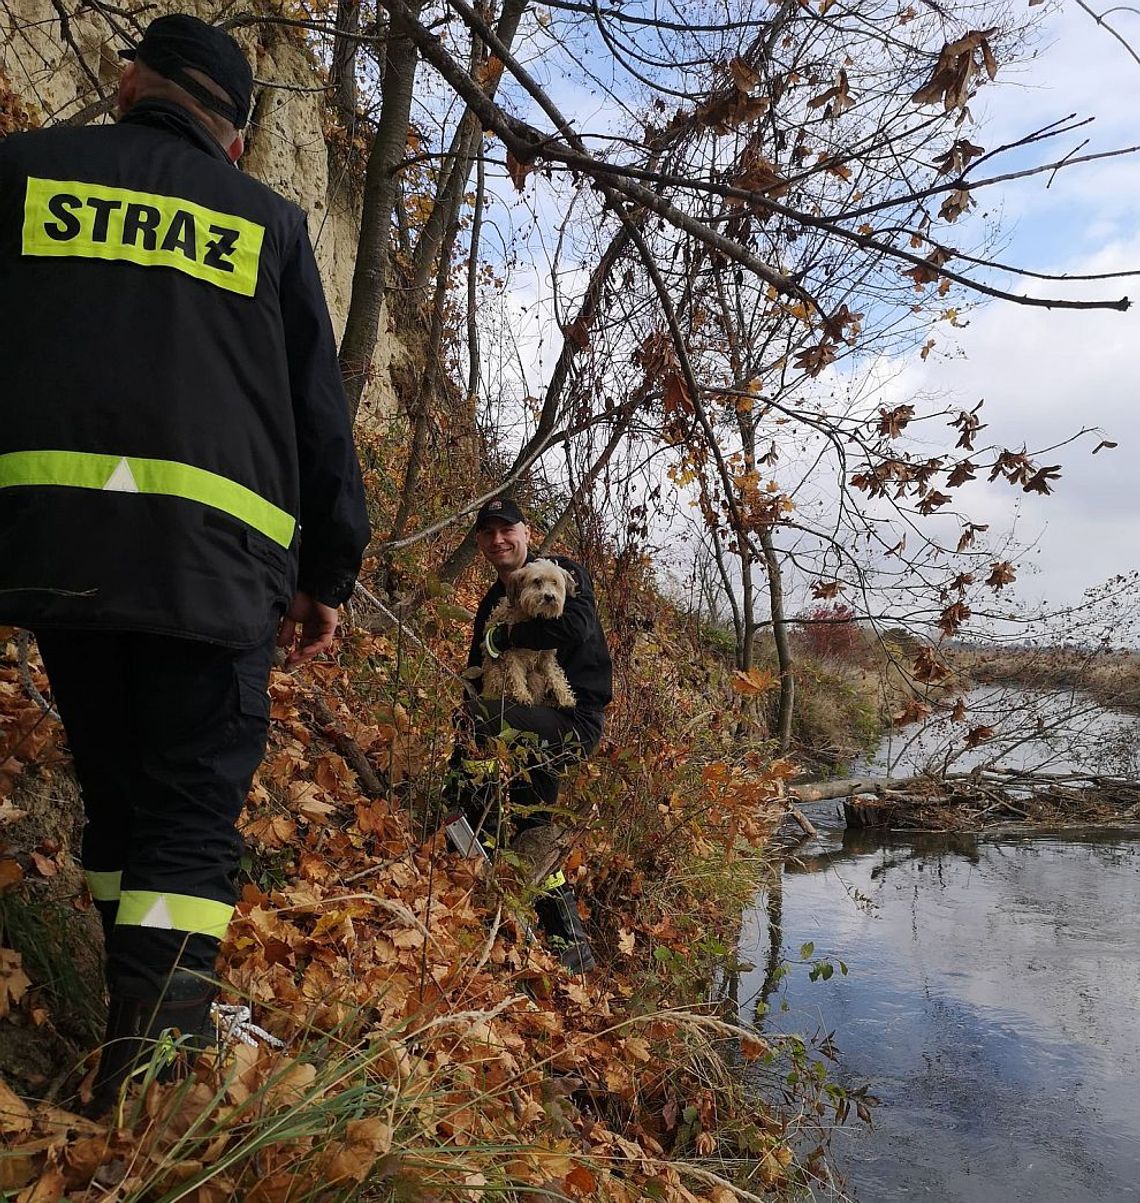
(130,474)
(104,884)
(480,768)
(173,912)
(554,881)
(69,218)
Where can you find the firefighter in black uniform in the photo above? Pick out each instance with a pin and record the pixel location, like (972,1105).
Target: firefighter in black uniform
(178,491)
(563,736)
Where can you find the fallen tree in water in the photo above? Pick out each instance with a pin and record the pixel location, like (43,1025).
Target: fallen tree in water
(980,798)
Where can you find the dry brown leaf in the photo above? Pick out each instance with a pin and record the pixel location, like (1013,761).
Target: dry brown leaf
(752,1047)
(288,1087)
(1001,574)
(49,1187)
(10,874)
(45,866)
(14,982)
(17,1169)
(517,170)
(580,1181)
(15,1116)
(746,78)
(272,831)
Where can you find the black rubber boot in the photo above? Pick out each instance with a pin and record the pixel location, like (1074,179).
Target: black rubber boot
(139,1019)
(558,917)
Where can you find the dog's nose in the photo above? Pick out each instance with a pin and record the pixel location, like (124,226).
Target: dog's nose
(548,597)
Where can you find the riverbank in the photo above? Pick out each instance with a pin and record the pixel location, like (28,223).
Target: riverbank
(429,1051)
(1112,679)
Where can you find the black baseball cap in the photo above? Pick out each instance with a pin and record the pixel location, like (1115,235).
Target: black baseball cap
(179,40)
(498,509)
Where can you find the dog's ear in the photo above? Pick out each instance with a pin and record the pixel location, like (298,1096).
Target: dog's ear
(571,582)
(515,584)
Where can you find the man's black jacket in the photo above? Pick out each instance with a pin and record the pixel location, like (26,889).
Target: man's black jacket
(175,450)
(577,638)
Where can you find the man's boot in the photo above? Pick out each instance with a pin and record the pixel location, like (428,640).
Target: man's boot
(139,1019)
(558,917)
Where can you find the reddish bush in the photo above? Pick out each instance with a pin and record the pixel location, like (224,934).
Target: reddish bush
(830,633)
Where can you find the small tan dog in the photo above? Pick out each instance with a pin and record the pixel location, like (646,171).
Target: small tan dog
(531,675)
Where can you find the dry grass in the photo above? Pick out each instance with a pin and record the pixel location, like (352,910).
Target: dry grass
(1112,679)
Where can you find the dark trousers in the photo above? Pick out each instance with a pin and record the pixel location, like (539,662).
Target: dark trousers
(558,740)
(166,734)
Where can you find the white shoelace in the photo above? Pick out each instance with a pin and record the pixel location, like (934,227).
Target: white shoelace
(235,1023)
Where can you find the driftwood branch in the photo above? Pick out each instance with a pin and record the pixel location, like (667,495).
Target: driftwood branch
(978,798)
(823,791)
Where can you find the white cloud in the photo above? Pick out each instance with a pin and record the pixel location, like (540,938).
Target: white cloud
(1046,374)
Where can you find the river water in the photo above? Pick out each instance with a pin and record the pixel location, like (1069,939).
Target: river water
(991,1005)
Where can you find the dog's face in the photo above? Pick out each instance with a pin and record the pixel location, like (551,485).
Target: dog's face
(540,588)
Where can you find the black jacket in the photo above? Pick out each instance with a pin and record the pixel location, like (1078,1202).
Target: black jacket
(175,449)
(577,637)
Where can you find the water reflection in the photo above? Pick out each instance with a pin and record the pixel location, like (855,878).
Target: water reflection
(991,1005)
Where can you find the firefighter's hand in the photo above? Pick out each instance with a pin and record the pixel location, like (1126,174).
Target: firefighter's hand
(317,624)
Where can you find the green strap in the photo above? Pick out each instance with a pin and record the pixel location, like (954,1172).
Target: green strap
(163,477)
(104,885)
(173,912)
(554,881)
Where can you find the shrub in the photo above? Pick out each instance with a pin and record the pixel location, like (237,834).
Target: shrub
(831,633)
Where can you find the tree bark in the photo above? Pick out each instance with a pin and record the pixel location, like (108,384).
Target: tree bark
(342,69)
(421,409)
(381,184)
(783,643)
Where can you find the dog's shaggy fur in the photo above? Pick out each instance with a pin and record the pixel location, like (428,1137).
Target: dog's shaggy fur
(521,674)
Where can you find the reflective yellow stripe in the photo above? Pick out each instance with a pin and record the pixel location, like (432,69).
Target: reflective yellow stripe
(74,219)
(166,477)
(554,881)
(480,768)
(173,912)
(104,886)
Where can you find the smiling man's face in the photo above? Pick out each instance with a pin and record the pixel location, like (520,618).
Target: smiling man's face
(504,545)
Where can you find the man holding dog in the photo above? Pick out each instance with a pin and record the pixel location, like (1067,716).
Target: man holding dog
(558,738)
(179,491)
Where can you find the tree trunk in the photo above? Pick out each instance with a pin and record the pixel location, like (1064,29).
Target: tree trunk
(473,286)
(421,409)
(729,592)
(381,184)
(783,644)
(342,69)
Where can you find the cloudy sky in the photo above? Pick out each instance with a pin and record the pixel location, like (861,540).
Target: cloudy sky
(1046,374)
